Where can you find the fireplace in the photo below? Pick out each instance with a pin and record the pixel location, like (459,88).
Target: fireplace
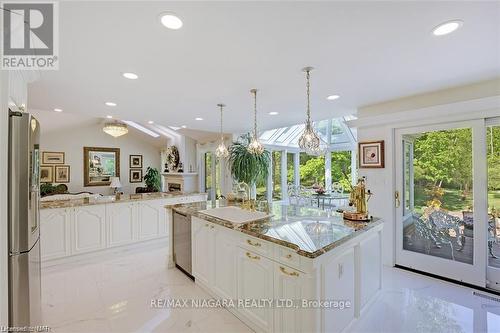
(174,187)
(180,182)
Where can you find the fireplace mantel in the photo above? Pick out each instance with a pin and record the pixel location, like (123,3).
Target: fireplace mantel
(181,181)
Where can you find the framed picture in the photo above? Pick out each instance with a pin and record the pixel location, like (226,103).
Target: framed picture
(371,154)
(135,176)
(52,157)
(46,174)
(99,165)
(61,173)
(136,161)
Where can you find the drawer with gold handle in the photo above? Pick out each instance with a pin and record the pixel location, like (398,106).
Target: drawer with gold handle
(252,257)
(284,271)
(257,244)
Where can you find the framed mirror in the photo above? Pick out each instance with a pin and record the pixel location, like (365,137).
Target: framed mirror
(99,165)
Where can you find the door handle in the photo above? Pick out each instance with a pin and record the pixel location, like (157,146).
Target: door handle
(252,257)
(397,199)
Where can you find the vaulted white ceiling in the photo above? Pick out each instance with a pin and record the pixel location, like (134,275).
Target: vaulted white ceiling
(366,52)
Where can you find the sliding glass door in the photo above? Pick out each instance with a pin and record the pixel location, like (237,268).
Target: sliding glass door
(441,217)
(493,234)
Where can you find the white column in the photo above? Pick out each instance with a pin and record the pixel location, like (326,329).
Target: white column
(354,165)
(296,168)
(328,170)
(284,175)
(269,183)
(4,140)
(213,189)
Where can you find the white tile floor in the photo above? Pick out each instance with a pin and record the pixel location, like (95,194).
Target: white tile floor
(114,294)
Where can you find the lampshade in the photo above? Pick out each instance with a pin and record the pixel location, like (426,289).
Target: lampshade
(115,182)
(115,129)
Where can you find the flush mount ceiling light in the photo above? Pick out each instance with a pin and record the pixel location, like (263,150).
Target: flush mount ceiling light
(332,97)
(309,141)
(170,20)
(115,129)
(447,27)
(109,117)
(58,110)
(273,113)
(198,118)
(255,147)
(221,152)
(130,76)
(110,104)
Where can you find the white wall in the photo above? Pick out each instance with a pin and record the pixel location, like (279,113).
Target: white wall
(72,140)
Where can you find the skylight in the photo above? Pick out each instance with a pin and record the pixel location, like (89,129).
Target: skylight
(141,128)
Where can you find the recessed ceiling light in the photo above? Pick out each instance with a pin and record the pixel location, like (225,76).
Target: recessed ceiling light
(447,27)
(198,118)
(58,110)
(109,117)
(273,113)
(110,104)
(332,97)
(184,126)
(131,76)
(171,21)
(151,122)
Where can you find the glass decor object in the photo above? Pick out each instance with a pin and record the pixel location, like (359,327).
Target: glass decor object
(221,151)
(255,147)
(115,129)
(309,141)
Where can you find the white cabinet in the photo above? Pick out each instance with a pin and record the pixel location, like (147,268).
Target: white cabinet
(255,282)
(152,216)
(225,276)
(202,235)
(370,267)
(121,219)
(289,285)
(54,233)
(88,229)
(338,284)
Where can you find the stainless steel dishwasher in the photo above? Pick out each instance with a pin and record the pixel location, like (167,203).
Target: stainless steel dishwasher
(182,243)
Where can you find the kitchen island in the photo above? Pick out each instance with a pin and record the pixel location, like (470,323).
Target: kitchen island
(75,227)
(301,270)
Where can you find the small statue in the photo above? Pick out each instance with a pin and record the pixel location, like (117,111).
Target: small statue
(359,199)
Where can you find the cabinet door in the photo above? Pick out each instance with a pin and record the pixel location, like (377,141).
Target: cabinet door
(338,284)
(54,233)
(121,220)
(88,228)
(370,267)
(224,283)
(255,282)
(151,216)
(288,286)
(203,251)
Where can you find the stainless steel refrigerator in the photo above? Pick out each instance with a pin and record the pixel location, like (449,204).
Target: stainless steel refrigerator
(24,217)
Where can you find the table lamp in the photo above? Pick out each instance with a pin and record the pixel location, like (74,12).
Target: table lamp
(115,184)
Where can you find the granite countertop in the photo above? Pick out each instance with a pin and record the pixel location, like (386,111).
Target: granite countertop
(111,199)
(307,230)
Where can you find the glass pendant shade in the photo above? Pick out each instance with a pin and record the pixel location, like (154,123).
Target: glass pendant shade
(221,151)
(309,141)
(255,147)
(115,129)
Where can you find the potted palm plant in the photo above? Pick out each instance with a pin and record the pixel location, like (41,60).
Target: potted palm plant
(152,180)
(247,167)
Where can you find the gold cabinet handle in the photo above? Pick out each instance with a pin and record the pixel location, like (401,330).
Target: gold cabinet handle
(288,256)
(211,227)
(252,243)
(283,270)
(252,257)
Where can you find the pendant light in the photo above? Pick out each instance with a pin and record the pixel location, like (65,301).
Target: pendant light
(309,141)
(115,129)
(221,151)
(255,147)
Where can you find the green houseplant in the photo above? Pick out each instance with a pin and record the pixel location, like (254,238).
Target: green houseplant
(152,179)
(247,167)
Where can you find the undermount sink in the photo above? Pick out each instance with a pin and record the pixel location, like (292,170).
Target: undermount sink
(235,215)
